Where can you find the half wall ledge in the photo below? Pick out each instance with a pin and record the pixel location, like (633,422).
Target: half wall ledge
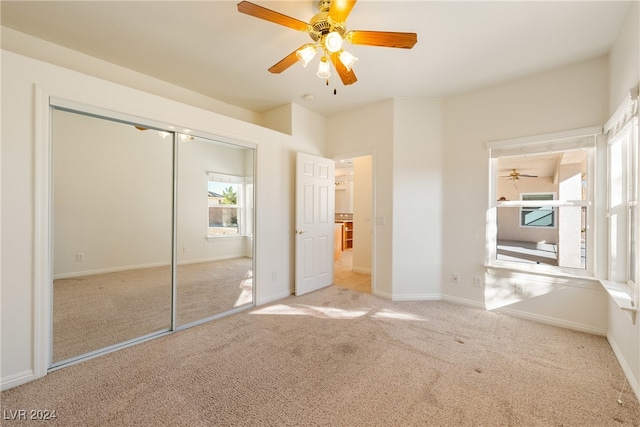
(619,292)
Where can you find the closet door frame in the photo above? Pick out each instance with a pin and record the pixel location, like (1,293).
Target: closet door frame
(46,99)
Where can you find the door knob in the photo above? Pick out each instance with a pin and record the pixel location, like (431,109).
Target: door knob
(300,231)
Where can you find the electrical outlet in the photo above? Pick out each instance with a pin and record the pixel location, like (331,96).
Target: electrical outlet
(455,278)
(477,282)
(274,276)
(79,257)
(517,288)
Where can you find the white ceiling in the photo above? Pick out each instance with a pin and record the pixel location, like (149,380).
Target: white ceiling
(211,48)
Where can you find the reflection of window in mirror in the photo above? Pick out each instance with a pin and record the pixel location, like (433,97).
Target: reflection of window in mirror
(543,204)
(215,199)
(229,203)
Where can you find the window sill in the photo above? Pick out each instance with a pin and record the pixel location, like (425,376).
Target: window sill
(224,236)
(540,270)
(619,293)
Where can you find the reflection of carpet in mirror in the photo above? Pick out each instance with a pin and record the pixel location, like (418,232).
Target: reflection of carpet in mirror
(345,278)
(97,311)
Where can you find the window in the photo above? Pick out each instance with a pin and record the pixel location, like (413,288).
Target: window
(225,205)
(541,214)
(537,216)
(622,207)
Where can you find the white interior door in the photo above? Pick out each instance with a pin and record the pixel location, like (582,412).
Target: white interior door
(315,206)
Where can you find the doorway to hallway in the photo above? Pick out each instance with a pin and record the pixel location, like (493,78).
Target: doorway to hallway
(354,229)
(345,277)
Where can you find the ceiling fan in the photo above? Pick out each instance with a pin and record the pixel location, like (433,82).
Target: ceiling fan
(515,175)
(328,30)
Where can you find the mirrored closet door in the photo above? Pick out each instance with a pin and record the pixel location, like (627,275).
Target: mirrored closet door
(152,231)
(215,228)
(112,232)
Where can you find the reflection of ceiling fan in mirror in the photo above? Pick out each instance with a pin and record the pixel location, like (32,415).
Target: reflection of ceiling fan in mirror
(327,30)
(515,175)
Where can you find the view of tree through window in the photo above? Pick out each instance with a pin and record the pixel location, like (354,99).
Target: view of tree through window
(224,209)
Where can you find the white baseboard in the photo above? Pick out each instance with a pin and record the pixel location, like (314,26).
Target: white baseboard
(552,321)
(515,313)
(381,294)
(416,297)
(219,258)
(633,382)
(73,274)
(463,301)
(16,380)
(529,316)
(271,298)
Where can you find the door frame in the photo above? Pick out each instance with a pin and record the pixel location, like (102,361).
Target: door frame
(365,153)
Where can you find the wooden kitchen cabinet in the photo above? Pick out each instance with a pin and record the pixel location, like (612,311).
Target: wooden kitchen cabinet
(347,235)
(337,242)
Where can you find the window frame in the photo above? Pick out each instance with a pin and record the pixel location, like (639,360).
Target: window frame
(576,139)
(554,211)
(241,207)
(625,293)
(627,137)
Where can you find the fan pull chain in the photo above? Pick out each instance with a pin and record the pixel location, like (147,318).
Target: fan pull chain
(335,91)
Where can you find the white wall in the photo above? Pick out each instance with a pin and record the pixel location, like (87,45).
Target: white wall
(112,189)
(21,321)
(624,63)
(370,130)
(362,213)
(571,97)
(33,47)
(344,193)
(405,136)
(417,199)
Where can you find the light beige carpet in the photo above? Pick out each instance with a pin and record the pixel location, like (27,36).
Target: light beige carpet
(336,357)
(97,311)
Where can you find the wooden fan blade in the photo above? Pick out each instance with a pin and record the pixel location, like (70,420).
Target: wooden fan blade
(348,77)
(271,16)
(382,38)
(340,10)
(285,62)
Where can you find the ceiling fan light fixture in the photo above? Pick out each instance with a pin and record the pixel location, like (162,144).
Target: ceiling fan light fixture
(323,68)
(347,59)
(306,54)
(328,31)
(333,42)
